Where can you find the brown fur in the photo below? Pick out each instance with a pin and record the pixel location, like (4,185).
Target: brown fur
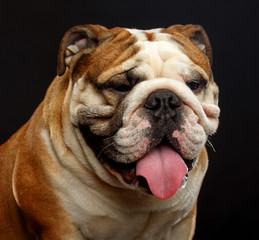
(194,33)
(25,187)
(30,205)
(24,179)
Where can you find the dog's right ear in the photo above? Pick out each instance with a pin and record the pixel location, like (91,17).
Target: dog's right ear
(77,39)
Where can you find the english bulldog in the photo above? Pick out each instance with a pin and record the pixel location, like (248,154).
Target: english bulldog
(116,150)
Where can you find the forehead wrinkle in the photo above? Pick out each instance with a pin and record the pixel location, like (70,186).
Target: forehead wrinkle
(154,59)
(124,63)
(156,49)
(163,54)
(164,57)
(112,54)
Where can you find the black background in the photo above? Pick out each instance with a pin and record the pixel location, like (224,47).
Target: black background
(29,41)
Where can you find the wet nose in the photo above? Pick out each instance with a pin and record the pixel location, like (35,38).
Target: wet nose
(163,104)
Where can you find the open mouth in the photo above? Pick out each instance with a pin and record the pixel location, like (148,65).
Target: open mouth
(161,171)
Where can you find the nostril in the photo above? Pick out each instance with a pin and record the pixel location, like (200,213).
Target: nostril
(162,103)
(173,102)
(153,102)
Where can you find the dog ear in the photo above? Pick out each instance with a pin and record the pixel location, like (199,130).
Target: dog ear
(197,35)
(77,39)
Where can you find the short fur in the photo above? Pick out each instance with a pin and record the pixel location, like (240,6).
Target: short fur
(59,177)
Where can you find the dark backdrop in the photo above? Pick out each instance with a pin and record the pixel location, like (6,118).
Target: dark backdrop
(30,36)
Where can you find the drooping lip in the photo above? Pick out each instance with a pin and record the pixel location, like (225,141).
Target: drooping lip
(126,172)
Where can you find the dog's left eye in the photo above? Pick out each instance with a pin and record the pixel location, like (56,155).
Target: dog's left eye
(193,85)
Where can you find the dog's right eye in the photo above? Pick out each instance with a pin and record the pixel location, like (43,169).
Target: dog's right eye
(123,88)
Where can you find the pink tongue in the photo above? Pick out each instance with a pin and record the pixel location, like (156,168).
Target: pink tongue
(164,170)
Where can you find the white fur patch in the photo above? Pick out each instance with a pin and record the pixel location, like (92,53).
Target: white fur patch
(136,31)
(207,118)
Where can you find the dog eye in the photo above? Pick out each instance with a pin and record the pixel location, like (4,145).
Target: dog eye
(193,85)
(123,88)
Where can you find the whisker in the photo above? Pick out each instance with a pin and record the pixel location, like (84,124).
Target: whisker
(111,137)
(209,143)
(104,149)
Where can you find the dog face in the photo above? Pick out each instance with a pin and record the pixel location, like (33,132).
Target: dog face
(145,101)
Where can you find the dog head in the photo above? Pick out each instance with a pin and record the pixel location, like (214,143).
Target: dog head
(145,101)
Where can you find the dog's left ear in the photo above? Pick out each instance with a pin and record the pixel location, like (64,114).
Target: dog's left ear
(197,35)
(77,39)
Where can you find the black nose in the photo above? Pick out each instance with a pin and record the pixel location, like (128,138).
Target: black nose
(163,104)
